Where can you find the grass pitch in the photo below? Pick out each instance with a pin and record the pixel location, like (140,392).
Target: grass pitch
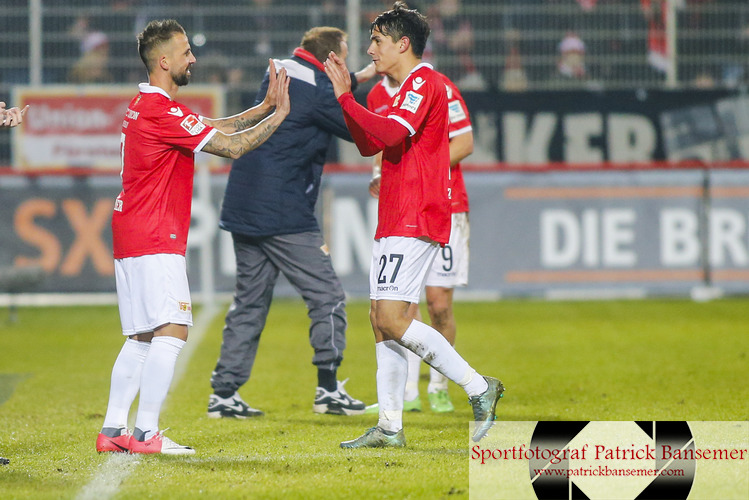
(621,360)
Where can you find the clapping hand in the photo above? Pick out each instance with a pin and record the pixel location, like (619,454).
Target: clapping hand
(280,86)
(336,69)
(274,89)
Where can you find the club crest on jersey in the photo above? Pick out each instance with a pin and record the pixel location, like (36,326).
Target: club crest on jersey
(456,112)
(192,125)
(412,101)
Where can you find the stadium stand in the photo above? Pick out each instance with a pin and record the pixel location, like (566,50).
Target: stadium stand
(481,44)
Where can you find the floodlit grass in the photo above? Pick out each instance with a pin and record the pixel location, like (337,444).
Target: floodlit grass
(644,360)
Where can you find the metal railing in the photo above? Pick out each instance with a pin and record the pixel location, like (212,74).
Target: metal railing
(508,44)
(504,45)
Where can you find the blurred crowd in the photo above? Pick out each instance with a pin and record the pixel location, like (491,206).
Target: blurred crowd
(511,45)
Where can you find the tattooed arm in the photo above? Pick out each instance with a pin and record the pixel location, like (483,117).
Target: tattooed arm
(253,116)
(237,144)
(241,121)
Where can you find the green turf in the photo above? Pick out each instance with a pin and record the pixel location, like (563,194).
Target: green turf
(645,360)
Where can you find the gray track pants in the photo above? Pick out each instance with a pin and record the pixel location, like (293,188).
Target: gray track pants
(310,271)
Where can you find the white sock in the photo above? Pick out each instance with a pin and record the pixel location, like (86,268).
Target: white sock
(158,370)
(125,382)
(437,352)
(412,382)
(437,381)
(392,366)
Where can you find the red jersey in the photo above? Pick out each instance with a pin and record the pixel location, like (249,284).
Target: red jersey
(379,100)
(158,142)
(414,189)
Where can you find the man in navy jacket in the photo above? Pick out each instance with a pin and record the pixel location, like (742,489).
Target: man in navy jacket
(269,208)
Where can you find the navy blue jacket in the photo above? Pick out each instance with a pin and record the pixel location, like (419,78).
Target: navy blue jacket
(273,189)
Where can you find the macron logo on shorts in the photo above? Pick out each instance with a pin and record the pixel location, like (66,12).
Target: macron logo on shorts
(192,125)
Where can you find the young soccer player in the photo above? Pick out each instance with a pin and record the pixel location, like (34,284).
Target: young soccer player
(450,266)
(413,219)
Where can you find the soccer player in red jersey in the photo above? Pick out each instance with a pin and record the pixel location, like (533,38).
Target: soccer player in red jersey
(150,224)
(413,219)
(450,266)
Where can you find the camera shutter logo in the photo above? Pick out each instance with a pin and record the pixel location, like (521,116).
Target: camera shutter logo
(558,481)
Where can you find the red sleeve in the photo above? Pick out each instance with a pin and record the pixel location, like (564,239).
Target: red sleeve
(182,128)
(367,145)
(371,132)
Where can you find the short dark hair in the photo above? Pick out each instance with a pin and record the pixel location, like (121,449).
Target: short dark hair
(320,41)
(155,34)
(402,21)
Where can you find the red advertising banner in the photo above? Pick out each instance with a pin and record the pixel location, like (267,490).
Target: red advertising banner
(72,126)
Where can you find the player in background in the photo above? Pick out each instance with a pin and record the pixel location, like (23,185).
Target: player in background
(450,267)
(150,223)
(413,219)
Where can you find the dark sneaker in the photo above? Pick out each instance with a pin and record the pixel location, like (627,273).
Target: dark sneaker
(233,407)
(484,406)
(338,402)
(119,444)
(375,437)
(159,443)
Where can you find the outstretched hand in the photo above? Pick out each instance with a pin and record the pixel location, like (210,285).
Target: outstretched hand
(11,117)
(271,95)
(281,93)
(366,73)
(338,73)
(374,187)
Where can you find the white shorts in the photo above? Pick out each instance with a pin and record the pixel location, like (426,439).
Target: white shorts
(152,291)
(450,267)
(399,267)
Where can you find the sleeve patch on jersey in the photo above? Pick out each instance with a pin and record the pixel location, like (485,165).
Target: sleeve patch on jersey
(192,125)
(412,101)
(456,112)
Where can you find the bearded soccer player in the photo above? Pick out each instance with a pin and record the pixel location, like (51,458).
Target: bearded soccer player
(413,220)
(450,266)
(150,223)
